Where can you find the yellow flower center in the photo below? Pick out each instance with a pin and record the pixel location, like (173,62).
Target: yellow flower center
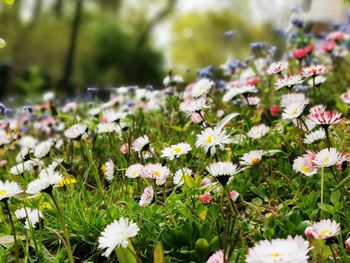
(276,255)
(326,160)
(255,161)
(294,111)
(104,168)
(325,232)
(304,169)
(210,139)
(3,192)
(67,181)
(157,173)
(177,150)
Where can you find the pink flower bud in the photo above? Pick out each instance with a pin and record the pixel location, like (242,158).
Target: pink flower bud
(196,117)
(234,195)
(205,198)
(274,110)
(347,243)
(124,148)
(220,113)
(309,232)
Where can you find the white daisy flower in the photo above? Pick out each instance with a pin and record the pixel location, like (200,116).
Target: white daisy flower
(193,106)
(94,111)
(44,183)
(146,197)
(293,98)
(217,257)
(179,176)
(325,229)
(276,67)
(27,142)
(49,96)
(211,138)
(222,171)
(134,170)
(304,165)
(107,127)
(27,166)
(108,170)
(171,80)
(252,158)
(4,138)
(318,81)
(23,155)
(9,189)
(176,150)
(288,82)
(293,111)
(157,172)
(201,87)
(326,157)
(113,116)
(42,149)
(232,92)
(29,217)
(116,235)
(280,250)
(315,136)
(259,131)
(76,131)
(141,144)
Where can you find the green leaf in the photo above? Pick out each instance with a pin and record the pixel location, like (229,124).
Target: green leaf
(124,255)
(189,180)
(2,43)
(158,253)
(9,2)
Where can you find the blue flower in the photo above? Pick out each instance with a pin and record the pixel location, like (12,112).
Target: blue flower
(206,72)
(92,90)
(229,34)
(257,46)
(297,22)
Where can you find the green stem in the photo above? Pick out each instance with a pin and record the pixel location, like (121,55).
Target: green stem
(95,172)
(64,227)
(322,181)
(13,230)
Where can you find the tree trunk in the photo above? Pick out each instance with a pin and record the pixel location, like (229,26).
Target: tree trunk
(65,83)
(58,7)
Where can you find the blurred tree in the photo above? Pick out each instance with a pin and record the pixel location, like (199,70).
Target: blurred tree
(198,38)
(65,82)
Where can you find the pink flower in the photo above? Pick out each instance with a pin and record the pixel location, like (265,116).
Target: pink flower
(146,197)
(309,232)
(276,68)
(343,160)
(336,36)
(3,163)
(205,198)
(234,195)
(197,118)
(347,244)
(275,110)
(253,81)
(318,109)
(220,113)
(328,46)
(345,97)
(124,148)
(325,118)
(217,257)
(301,53)
(313,71)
